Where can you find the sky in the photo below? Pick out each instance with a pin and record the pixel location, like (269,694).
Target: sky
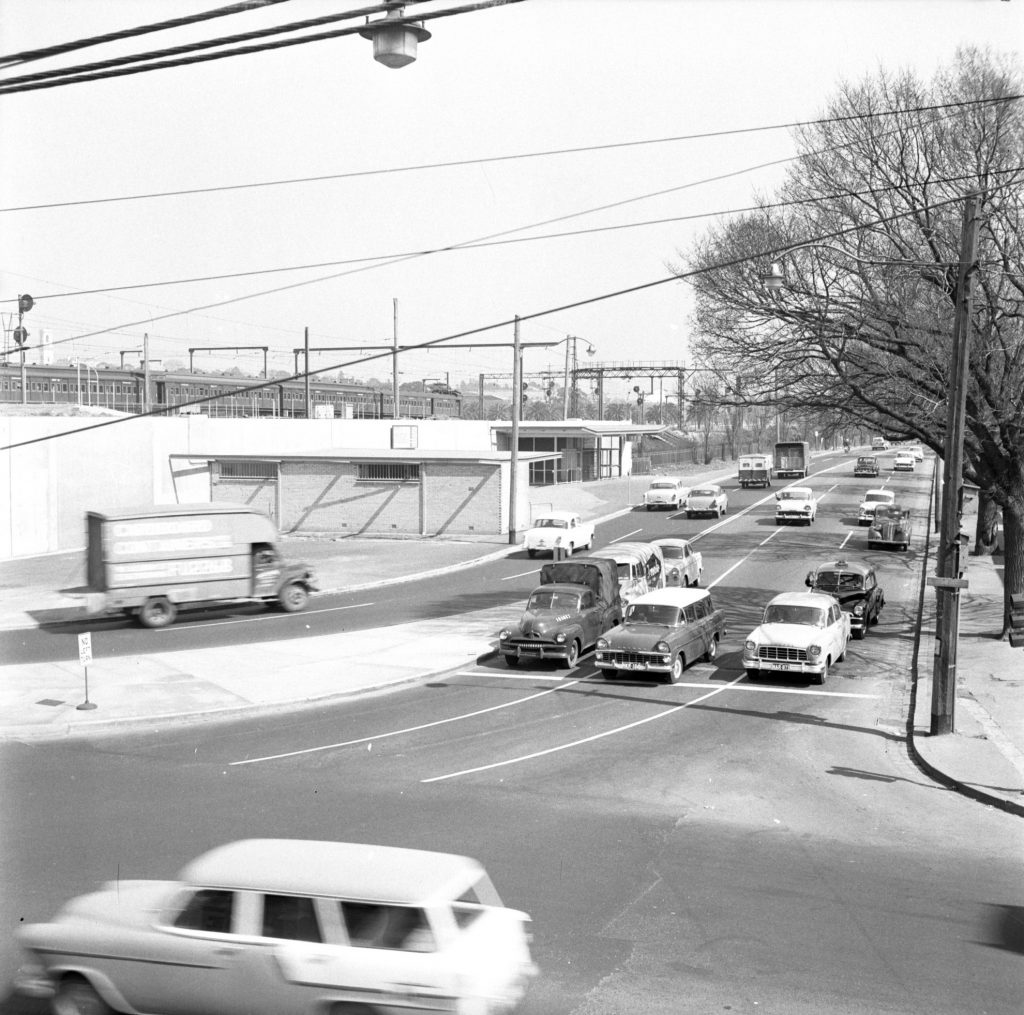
(326,176)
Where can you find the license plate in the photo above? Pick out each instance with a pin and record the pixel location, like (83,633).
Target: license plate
(632,666)
(778,666)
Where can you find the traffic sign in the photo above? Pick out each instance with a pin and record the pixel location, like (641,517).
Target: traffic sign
(946,583)
(85,648)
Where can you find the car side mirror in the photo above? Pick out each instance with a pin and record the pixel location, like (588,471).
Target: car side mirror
(809,580)
(778,496)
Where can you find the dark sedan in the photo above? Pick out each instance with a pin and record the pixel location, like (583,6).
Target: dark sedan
(856,587)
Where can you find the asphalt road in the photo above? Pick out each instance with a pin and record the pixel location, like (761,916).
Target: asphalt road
(704,847)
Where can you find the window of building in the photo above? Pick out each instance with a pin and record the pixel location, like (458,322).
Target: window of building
(388,472)
(248,470)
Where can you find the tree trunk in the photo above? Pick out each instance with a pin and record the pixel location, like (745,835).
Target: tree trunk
(985,532)
(1013,555)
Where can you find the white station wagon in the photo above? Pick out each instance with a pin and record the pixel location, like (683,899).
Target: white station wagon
(287,927)
(558,531)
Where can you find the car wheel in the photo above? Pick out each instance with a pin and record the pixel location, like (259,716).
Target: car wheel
(293,597)
(842,655)
(157,612)
(678,665)
(753,675)
(860,632)
(531,554)
(573,655)
(76,996)
(649,507)
(820,678)
(511,662)
(712,651)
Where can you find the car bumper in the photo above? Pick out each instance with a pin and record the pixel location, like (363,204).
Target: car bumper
(605,660)
(783,666)
(793,517)
(536,650)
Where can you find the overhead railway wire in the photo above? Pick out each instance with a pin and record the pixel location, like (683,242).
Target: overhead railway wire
(519,156)
(760,255)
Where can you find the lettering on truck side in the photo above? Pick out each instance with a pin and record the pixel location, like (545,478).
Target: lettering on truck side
(146,572)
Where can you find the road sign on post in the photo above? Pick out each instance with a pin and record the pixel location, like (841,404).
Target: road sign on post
(85,657)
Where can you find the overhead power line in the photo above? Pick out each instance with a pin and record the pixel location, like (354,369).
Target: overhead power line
(517,156)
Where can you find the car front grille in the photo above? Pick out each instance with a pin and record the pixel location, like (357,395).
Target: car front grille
(782,653)
(620,657)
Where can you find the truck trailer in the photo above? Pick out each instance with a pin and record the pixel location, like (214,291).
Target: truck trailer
(792,459)
(149,562)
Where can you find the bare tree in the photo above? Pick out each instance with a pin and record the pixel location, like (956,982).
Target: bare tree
(872,215)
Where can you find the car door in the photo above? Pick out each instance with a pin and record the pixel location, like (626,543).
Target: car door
(591,617)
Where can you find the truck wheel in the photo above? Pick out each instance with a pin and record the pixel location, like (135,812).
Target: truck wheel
(157,612)
(573,655)
(293,597)
(76,996)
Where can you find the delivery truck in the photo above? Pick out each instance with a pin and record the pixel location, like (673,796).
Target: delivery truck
(150,562)
(792,459)
(755,470)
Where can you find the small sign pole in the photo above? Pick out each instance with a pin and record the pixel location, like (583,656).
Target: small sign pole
(85,657)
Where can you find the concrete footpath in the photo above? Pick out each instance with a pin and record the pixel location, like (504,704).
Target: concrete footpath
(984,758)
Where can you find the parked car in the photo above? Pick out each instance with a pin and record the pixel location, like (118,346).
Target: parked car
(683,564)
(903,461)
(665,492)
(891,526)
(576,602)
(283,927)
(706,500)
(795,504)
(867,465)
(800,632)
(663,632)
(640,566)
(855,585)
(872,499)
(558,531)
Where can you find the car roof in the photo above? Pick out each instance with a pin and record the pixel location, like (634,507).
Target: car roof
(888,493)
(705,486)
(562,515)
(624,550)
(671,597)
(665,479)
(867,458)
(347,869)
(845,565)
(802,599)
(799,489)
(670,541)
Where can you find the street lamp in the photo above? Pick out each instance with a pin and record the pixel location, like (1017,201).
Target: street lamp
(394,38)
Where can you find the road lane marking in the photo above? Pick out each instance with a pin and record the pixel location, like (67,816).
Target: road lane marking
(522,574)
(408,729)
(743,560)
(585,740)
(263,617)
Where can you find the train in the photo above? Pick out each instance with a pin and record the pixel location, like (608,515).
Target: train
(171,392)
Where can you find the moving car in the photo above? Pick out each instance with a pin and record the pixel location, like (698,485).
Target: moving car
(576,602)
(917,451)
(663,632)
(665,492)
(287,927)
(855,585)
(640,566)
(891,526)
(872,499)
(903,461)
(879,444)
(795,504)
(867,465)
(683,564)
(800,632)
(563,532)
(706,500)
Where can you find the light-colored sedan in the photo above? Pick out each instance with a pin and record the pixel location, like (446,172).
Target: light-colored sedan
(873,499)
(558,533)
(286,927)
(802,633)
(706,500)
(684,565)
(903,461)
(665,492)
(795,504)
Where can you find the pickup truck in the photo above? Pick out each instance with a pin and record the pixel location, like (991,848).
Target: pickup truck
(575,603)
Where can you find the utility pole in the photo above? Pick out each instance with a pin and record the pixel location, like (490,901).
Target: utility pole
(565,389)
(947,581)
(305,379)
(394,359)
(517,408)
(145,372)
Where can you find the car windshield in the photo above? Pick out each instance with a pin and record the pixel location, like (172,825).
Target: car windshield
(663,486)
(865,461)
(670,552)
(838,580)
(893,513)
(808,616)
(544,600)
(551,523)
(703,491)
(878,498)
(653,613)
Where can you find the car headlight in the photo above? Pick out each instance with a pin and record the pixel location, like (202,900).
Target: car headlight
(674,574)
(504,635)
(560,637)
(602,643)
(662,646)
(858,609)
(750,648)
(807,508)
(814,652)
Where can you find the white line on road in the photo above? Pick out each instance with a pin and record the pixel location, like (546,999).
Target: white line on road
(264,617)
(585,740)
(408,729)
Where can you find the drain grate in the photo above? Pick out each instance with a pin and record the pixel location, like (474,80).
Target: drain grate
(51,701)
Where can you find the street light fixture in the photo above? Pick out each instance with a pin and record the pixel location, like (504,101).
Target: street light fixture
(394,39)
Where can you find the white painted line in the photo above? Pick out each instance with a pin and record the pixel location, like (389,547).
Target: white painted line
(522,574)
(264,617)
(395,733)
(728,571)
(849,536)
(585,740)
(626,536)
